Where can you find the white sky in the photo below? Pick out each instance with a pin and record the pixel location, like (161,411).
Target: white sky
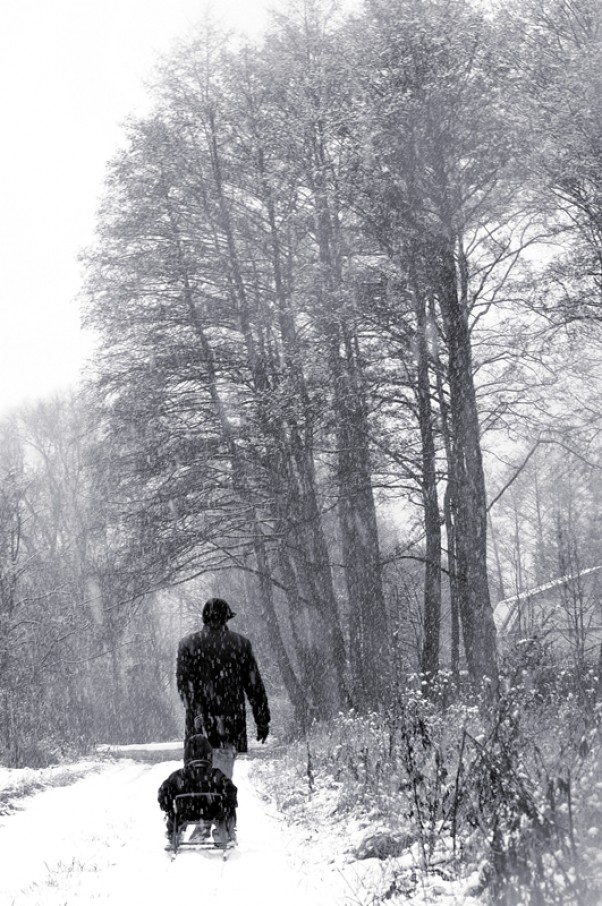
(70,72)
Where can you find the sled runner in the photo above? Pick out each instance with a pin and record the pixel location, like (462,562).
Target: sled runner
(201,810)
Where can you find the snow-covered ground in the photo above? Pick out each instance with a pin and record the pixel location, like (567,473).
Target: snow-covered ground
(101,840)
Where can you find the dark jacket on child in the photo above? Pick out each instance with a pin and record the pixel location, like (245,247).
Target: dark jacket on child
(198,776)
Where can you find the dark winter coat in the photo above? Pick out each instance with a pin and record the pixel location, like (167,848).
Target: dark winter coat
(198,778)
(216,668)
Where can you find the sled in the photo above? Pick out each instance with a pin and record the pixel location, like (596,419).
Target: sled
(197,810)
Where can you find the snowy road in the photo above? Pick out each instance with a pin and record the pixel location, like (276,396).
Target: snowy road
(101,840)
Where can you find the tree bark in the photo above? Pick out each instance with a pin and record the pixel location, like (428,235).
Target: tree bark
(466,470)
(429,663)
(370,644)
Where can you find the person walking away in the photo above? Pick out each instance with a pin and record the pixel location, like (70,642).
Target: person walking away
(215,670)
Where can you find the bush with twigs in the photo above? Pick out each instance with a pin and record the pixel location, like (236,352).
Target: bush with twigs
(512,790)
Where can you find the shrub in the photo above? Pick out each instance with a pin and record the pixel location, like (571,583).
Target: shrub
(514,788)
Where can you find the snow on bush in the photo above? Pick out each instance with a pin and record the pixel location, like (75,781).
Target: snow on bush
(504,800)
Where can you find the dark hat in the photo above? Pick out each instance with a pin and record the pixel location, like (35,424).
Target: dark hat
(197,748)
(217,611)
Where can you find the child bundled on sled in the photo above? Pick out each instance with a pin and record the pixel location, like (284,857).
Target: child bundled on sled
(199,776)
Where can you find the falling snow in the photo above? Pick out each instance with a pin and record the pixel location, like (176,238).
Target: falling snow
(101,840)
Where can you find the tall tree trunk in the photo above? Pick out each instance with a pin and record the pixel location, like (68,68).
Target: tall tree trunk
(368,627)
(305,567)
(429,664)
(450,510)
(471,528)
(454,589)
(307,544)
(295,690)
(370,644)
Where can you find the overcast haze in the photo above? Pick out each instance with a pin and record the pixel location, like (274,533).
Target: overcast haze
(70,72)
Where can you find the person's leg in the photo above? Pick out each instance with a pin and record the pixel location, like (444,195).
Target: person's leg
(201,832)
(224,758)
(169,826)
(231,826)
(190,724)
(225,828)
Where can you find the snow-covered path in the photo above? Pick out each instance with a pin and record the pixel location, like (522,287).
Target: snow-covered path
(101,840)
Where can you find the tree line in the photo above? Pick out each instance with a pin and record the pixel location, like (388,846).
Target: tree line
(341,277)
